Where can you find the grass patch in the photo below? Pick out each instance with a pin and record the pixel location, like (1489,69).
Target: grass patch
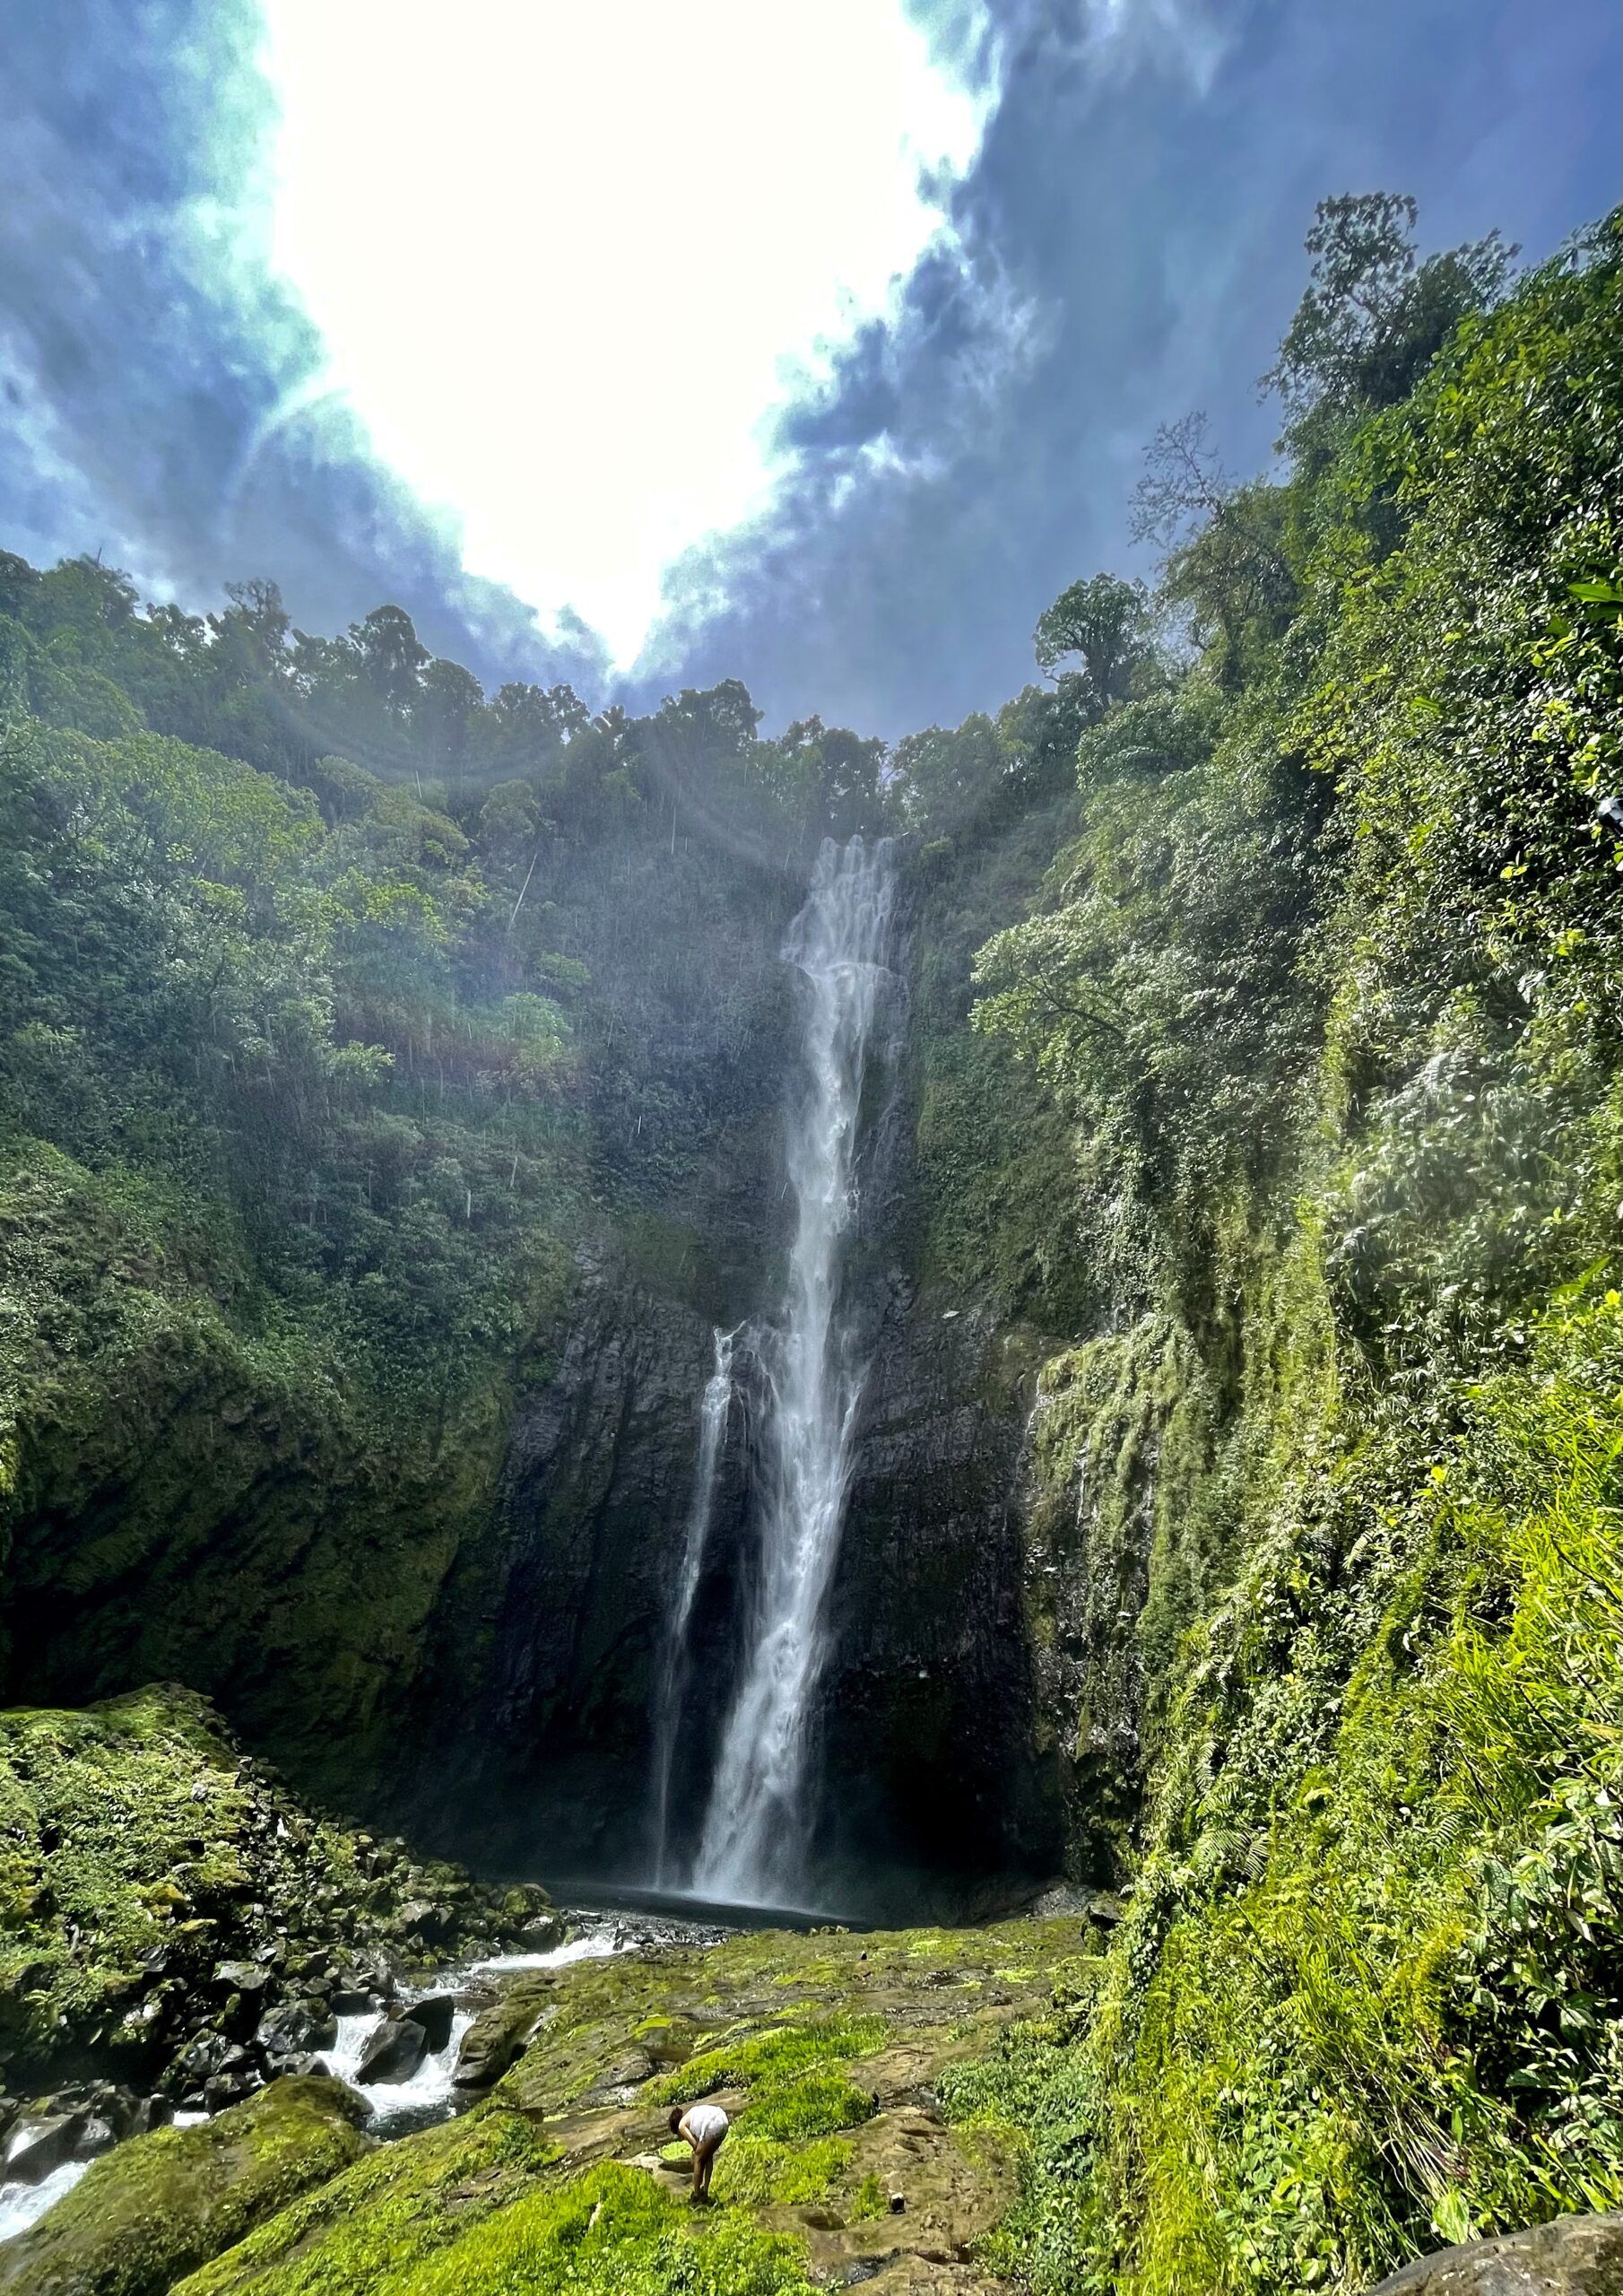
(755,2173)
(765,2060)
(158,2206)
(371,2228)
(612,2232)
(819,2101)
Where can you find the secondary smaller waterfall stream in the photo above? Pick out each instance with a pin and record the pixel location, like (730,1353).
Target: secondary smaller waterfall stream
(753,1843)
(675,1674)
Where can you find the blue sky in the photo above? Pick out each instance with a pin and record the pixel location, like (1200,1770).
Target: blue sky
(823,358)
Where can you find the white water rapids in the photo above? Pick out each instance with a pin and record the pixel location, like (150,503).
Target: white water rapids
(752,1849)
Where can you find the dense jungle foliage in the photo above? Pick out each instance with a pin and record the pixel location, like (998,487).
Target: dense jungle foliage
(343,1011)
(1327,986)
(1264,1075)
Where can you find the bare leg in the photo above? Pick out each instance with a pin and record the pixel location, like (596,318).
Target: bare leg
(704,2166)
(698,2192)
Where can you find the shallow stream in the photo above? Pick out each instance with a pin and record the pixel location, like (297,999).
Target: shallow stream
(428,2096)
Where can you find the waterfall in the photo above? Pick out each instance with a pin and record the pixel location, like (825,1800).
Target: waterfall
(673,1677)
(753,1843)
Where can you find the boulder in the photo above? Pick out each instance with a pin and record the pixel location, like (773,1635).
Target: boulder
(247,1978)
(495,2039)
(523,1903)
(198,2062)
(295,2028)
(1573,2256)
(152,2211)
(395,2048)
(422,1918)
(246,1989)
(434,2015)
(236,2076)
(41,2142)
(104,2105)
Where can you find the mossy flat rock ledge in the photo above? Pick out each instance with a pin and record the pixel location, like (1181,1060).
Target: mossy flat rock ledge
(162,2204)
(1574,2256)
(833,2055)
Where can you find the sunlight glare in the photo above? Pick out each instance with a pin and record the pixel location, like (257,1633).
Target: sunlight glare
(567,261)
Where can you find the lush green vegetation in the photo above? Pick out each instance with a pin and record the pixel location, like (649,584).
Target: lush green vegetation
(1265,1074)
(1328,983)
(819,2044)
(140,1848)
(611,2232)
(326,1050)
(388,2213)
(141,2218)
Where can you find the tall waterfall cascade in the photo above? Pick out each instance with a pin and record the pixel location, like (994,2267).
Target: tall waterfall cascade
(673,1677)
(753,1845)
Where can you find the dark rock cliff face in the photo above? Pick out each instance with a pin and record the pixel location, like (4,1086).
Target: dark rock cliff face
(471,1639)
(555,1630)
(931,1790)
(207,1525)
(937,1785)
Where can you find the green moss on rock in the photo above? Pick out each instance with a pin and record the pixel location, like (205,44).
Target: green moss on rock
(825,2050)
(612,2232)
(158,2206)
(766,2063)
(388,2213)
(139,1848)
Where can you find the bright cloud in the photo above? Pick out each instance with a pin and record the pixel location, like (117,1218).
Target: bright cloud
(565,259)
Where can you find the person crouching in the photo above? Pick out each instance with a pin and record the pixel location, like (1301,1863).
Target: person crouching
(704,2127)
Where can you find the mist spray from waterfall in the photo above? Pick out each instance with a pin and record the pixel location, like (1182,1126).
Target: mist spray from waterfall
(673,1677)
(753,1845)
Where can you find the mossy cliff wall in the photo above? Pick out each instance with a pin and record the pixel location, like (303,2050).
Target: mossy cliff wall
(551,1640)
(1322,992)
(191,1501)
(461,1617)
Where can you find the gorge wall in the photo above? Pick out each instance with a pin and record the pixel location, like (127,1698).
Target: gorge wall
(462,1626)
(938,1783)
(464,1630)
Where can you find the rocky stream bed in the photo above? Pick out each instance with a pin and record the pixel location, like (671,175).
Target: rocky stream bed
(536,2139)
(246,2048)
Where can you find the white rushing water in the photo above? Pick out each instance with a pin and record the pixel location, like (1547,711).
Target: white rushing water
(674,1672)
(21,2204)
(598,1945)
(426,2096)
(753,1845)
(396,2107)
